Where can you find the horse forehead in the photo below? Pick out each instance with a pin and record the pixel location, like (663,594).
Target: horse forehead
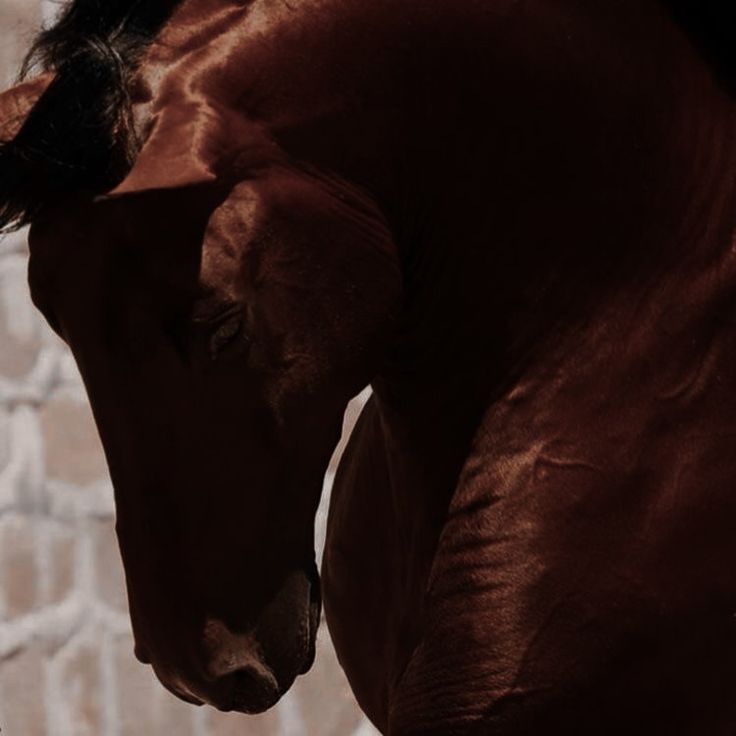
(82,239)
(61,233)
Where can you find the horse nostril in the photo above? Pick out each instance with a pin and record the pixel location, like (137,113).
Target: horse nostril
(247,690)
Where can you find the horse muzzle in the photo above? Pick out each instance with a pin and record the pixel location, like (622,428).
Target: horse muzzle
(249,669)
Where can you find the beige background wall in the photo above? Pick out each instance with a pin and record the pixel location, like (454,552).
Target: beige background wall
(66,653)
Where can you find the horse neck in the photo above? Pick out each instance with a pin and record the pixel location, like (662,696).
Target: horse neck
(501,286)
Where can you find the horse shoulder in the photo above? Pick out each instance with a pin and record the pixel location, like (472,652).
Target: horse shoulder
(568,593)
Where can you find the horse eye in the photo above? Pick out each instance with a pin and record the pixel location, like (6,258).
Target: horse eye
(224,336)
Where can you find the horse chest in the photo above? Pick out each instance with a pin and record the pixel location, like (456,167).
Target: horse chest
(578,580)
(561,560)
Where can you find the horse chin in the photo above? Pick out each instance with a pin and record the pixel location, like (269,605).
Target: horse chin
(257,700)
(315,611)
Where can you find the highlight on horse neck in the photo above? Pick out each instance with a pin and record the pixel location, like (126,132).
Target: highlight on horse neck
(80,134)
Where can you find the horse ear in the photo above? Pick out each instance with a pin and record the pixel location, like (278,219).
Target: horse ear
(17,102)
(191,143)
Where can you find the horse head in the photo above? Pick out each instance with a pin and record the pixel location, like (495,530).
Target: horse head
(223,306)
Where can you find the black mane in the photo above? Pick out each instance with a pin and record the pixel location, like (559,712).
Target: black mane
(79,136)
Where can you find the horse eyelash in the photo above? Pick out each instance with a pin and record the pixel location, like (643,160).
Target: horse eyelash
(224,335)
(216,334)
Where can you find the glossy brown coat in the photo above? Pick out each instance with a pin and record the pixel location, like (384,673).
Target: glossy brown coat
(516,220)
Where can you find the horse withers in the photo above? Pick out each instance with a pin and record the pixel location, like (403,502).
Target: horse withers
(516,220)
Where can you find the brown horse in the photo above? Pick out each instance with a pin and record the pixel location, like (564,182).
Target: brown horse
(515,219)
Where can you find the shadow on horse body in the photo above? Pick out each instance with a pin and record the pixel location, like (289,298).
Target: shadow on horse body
(516,221)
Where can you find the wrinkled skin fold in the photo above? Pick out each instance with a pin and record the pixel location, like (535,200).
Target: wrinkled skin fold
(516,222)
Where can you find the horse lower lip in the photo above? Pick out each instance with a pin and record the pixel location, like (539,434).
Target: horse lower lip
(248,701)
(247,708)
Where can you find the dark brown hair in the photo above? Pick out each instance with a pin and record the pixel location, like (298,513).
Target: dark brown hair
(79,135)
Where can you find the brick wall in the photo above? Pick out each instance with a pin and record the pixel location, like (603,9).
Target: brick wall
(66,653)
